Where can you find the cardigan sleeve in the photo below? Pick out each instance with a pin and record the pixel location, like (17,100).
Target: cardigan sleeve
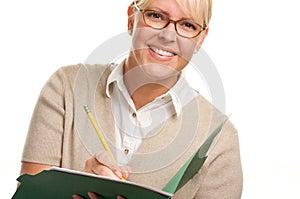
(44,139)
(222,177)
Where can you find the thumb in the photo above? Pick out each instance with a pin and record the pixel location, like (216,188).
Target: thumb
(104,158)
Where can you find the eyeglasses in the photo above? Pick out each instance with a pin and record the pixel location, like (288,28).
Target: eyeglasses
(158,20)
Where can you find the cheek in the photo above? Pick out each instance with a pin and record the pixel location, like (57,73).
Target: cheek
(187,48)
(140,37)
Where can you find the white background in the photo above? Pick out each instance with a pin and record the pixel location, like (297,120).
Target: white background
(254,45)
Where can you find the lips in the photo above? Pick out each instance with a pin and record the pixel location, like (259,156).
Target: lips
(162,52)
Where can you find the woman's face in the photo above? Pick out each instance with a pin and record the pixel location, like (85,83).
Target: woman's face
(161,53)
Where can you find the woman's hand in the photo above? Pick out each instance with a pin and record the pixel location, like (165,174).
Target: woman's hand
(102,164)
(93,196)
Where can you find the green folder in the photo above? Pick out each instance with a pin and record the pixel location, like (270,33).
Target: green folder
(193,165)
(59,183)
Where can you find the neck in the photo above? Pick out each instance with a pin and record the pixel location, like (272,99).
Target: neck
(144,88)
(146,94)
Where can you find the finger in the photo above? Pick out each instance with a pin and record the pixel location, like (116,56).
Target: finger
(104,171)
(93,195)
(89,164)
(125,170)
(118,173)
(120,197)
(122,172)
(75,196)
(94,167)
(104,158)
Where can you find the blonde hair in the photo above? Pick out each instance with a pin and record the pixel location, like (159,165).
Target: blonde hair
(199,10)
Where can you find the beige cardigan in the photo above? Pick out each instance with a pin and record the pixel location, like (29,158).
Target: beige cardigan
(58,135)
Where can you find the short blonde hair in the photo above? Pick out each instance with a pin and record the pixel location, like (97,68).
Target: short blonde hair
(199,10)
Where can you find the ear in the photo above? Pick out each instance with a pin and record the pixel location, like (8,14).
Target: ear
(202,36)
(130,19)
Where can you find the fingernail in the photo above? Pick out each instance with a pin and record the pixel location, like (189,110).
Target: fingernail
(125,173)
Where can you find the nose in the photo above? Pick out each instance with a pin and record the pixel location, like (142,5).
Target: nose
(168,33)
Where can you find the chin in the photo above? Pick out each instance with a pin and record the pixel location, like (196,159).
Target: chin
(159,71)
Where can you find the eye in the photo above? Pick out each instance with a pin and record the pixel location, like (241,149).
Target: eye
(189,25)
(155,16)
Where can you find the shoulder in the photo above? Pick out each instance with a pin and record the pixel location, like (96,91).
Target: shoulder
(69,73)
(70,70)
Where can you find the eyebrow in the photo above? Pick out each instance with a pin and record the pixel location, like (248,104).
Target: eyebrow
(166,13)
(158,10)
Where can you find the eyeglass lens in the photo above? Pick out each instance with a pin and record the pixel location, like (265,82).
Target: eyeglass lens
(184,27)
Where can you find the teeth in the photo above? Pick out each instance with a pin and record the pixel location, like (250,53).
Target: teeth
(162,52)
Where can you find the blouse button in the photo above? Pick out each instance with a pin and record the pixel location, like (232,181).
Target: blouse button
(126,151)
(134,115)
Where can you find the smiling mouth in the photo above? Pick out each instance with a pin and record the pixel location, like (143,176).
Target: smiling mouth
(162,52)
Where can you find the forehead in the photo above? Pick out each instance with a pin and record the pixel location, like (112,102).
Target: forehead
(172,7)
(180,8)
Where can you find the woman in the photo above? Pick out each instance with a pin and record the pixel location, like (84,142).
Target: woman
(144,107)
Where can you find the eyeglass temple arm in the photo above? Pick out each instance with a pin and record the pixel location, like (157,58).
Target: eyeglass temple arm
(135,5)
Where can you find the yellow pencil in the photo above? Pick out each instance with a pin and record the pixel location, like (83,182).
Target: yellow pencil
(92,120)
(89,113)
